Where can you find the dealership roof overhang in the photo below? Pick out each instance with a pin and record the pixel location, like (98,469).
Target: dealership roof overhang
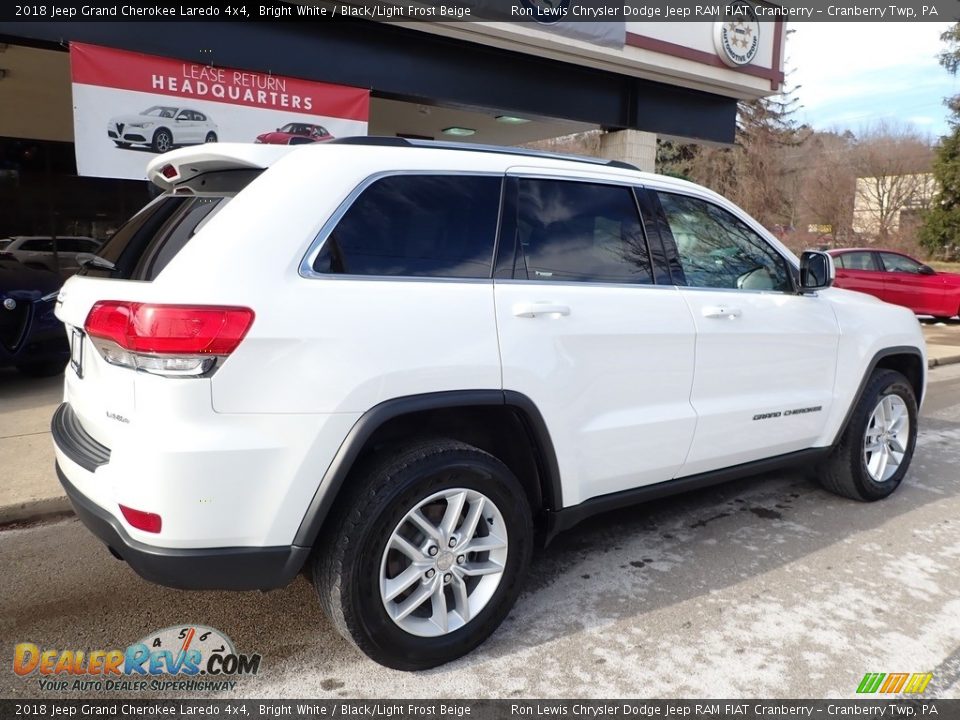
(664,78)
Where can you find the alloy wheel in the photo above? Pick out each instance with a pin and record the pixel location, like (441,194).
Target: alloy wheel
(886,438)
(443,562)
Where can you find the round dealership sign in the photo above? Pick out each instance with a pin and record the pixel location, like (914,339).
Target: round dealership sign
(737,38)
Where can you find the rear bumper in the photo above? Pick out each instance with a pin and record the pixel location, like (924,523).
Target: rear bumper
(237,568)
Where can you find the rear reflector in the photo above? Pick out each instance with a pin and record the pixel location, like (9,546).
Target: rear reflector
(169,329)
(146,521)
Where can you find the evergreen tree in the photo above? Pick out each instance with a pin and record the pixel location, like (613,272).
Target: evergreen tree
(940,233)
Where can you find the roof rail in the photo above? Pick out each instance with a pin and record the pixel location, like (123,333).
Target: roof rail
(388,141)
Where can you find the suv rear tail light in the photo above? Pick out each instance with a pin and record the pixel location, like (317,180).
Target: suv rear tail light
(171,340)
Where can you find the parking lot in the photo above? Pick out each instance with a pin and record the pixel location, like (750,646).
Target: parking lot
(767,587)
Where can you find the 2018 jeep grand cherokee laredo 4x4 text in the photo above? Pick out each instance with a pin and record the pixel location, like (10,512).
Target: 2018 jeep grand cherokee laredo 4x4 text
(387,362)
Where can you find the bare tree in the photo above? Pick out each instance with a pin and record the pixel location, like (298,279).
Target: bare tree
(828,182)
(892,164)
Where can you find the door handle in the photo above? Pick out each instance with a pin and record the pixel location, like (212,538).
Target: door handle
(723,312)
(530,310)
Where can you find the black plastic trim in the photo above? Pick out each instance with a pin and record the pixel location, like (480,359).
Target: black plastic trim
(655,222)
(233,568)
(370,421)
(880,355)
(569,517)
(75,442)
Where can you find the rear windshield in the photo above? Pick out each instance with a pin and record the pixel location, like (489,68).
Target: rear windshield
(144,245)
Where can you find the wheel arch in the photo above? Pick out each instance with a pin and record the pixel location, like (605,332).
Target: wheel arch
(489,419)
(169,132)
(906,360)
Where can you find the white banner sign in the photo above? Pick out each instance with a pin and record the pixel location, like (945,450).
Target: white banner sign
(127,107)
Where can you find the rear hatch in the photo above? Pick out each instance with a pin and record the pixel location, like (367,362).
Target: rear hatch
(117,284)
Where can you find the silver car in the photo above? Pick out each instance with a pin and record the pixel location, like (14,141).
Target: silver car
(162,127)
(37,251)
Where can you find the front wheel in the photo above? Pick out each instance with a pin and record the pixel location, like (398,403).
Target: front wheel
(427,557)
(162,141)
(875,450)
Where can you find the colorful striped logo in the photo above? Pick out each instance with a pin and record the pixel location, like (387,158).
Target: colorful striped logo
(892,683)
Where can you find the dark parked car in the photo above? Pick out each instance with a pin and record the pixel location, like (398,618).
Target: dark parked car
(898,279)
(31,338)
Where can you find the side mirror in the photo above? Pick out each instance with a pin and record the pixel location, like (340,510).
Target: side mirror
(927,270)
(817,271)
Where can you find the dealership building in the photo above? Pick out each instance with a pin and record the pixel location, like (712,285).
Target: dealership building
(492,82)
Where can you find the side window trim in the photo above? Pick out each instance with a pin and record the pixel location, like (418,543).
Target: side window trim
(656,225)
(792,271)
(306,270)
(506,250)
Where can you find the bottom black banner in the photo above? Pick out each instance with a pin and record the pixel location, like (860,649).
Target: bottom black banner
(482,709)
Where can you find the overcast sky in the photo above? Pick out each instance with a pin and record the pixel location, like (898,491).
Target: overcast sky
(855,74)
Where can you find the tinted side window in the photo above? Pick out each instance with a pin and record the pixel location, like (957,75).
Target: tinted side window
(718,250)
(417,226)
(575,231)
(898,263)
(37,245)
(856,261)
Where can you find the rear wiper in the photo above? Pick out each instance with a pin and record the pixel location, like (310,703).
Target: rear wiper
(91,260)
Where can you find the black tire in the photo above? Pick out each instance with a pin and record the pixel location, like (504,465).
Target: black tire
(43,369)
(121,144)
(162,141)
(211,137)
(845,472)
(346,571)
(941,318)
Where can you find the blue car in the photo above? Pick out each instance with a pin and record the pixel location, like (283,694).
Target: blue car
(31,337)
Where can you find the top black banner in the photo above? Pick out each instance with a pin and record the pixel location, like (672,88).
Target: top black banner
(544,12)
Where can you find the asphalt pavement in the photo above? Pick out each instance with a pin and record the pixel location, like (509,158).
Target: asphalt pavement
(766,587)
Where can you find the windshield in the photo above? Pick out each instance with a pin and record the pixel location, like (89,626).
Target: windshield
(160,111)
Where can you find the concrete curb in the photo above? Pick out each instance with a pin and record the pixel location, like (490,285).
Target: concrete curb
(947,360)
(34,510)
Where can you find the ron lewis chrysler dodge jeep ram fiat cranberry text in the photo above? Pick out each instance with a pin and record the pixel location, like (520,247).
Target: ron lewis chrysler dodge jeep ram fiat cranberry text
(388,363)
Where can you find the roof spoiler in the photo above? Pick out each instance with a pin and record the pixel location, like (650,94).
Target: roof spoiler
(183,164)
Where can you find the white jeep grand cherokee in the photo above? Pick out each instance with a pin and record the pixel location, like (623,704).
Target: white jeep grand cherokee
(391,363)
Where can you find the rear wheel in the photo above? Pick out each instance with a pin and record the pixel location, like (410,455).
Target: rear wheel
(427,556)
(211,137)
(874,453)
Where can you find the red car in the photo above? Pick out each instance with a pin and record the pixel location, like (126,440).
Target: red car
(898,279)
(295,134)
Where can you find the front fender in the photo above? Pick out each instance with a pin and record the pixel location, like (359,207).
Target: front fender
(870,332)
